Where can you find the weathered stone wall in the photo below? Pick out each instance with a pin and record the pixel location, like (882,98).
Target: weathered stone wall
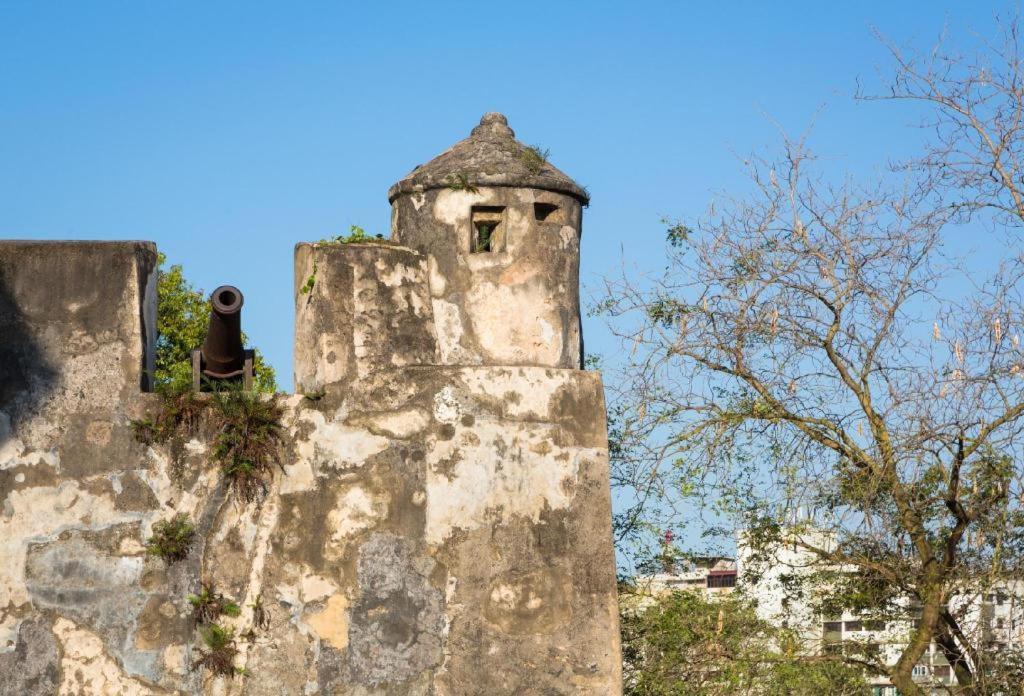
(518,305)
(435,529)
(77,329)
(359,308)
(77,326)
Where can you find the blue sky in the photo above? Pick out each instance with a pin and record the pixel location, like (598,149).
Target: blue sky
(229,132)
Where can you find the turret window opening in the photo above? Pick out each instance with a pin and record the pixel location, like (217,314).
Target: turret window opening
(488,229)
(546,212)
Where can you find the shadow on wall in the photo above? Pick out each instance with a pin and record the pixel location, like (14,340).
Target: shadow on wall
(26,375)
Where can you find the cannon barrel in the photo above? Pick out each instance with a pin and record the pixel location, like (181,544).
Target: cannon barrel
(222,354)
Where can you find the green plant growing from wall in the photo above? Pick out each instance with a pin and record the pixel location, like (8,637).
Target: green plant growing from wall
(307,287)
(219,656)
(458,181)
(260,619)
(246,427)
(248,440)
(209,605)
(534,157)
(182,316)
(260,615)
(171,538)
(180,414)
(356,235)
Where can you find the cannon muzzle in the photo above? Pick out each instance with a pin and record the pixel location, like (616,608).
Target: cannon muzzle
(222,356)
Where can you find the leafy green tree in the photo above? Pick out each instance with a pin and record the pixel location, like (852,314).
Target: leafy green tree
(683,643)
(182,316)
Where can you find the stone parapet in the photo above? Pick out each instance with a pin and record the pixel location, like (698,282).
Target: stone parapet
(359,308)
(77,334)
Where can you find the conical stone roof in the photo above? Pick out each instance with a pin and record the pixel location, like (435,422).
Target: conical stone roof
(490,156)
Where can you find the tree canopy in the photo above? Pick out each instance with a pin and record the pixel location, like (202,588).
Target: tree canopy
(684,644)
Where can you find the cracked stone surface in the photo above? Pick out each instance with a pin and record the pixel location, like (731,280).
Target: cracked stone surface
(440,525)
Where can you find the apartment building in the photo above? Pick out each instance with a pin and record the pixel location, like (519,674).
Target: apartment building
(995,618)
(710,574)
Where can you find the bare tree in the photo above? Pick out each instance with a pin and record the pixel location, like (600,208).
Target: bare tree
(974,111)
(813,345)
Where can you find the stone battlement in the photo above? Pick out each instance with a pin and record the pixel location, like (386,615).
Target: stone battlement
(441,523)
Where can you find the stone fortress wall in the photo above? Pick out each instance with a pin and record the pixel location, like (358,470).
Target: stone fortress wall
(442,524)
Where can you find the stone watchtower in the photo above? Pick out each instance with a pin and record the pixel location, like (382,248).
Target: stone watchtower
(442,521)
(486,238)
(501,229)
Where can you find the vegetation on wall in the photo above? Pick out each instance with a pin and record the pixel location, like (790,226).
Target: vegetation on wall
(220,651)
(356,235)
(180,414)
(245,430)
(260,618)
(182,317)
(248,439)
(534,157)
(459,181)
(209,605)
(171,538)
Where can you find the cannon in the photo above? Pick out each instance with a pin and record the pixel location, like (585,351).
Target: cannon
(222,357)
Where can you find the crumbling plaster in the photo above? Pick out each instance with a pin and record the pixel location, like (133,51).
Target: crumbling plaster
(440,523)
(430,464)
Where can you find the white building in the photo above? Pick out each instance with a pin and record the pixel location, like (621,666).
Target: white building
(995,619)
(710,574)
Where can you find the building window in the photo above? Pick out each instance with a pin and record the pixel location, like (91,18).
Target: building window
(488,229)
(832,626)
(874,625)
(722,580)
(854,626)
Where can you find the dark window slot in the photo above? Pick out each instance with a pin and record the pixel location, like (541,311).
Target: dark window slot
(488,229)
(543,211)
